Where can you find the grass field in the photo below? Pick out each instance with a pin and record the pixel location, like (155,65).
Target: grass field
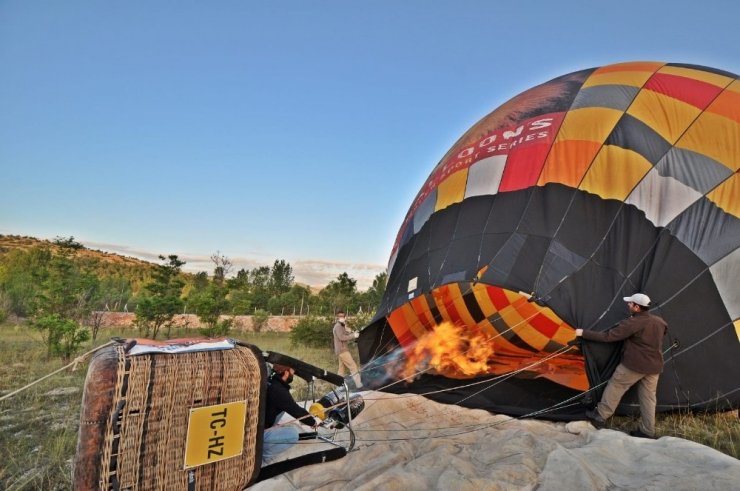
(38,427)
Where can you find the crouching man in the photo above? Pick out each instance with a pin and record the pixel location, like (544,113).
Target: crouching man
(278,439)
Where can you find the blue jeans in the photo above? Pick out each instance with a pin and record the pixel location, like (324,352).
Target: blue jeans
(277,440)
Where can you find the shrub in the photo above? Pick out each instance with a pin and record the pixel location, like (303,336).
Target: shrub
(5,306)
(313,331)
(220,328)
(259,319)
(358,321)
(63,337)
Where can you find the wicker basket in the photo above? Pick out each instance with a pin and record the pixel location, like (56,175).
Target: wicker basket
(135,414)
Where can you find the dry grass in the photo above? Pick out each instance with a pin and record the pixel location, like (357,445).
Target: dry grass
(38,428)
(279,342)
(720,431)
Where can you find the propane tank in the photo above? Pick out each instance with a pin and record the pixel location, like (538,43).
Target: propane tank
(332,408)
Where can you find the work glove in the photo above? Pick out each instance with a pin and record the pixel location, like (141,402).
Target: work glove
(356,334)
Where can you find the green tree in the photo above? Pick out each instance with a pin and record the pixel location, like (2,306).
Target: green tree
(289,303)
(222,268)
(343,285)
(241,302)
(240,281)
(282,304)
(67,290)
(200,282)
(21,276)
(240,296)
(115,293)
(210,305)
(340,294)
(372,297)
(281,278)
(63,337)
(161,297)
(260,287)
(302,295)
(68,243)
(54,291)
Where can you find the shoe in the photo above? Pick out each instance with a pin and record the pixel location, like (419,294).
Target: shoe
(595,418)
(639,434)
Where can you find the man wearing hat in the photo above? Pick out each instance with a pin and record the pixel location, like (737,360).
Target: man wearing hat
(279,438)
(642,363)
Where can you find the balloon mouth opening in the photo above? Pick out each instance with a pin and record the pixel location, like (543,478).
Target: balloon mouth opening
(469,330)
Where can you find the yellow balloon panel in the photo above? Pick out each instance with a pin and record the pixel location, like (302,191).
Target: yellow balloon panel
(451,190)
(667,116)
(716,137)
(727,195)
(632,74)
(615,172)
(588,123)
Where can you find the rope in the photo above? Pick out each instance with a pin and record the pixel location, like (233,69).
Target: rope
(371,366)
(481,426)
(74,363)
(468,428)
(490,383)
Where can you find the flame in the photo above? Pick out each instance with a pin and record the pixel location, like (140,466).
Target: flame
(453,350)
(459,351)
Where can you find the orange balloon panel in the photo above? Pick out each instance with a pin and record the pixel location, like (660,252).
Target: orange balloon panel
(465,330)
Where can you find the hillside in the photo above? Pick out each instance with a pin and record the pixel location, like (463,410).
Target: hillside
(270,289)
(13,242)
(103,264)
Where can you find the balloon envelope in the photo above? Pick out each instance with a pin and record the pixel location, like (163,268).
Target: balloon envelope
(578,192)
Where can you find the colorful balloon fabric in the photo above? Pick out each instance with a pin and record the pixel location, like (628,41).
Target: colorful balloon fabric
(573,194)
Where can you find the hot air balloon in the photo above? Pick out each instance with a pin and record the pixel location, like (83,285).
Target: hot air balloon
(541,217)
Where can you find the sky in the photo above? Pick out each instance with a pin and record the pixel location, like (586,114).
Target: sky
(282,130)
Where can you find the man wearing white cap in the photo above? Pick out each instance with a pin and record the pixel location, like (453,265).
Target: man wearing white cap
(642,362)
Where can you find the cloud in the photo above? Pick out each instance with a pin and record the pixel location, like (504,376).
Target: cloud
(319,272)
(314,272)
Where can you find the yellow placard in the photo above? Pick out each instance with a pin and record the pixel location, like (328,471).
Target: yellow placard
(215,433)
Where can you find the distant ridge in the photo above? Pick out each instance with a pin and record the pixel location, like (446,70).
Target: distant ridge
(14,242)
(137,269)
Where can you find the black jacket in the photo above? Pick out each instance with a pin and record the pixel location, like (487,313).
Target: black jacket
(279,400)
